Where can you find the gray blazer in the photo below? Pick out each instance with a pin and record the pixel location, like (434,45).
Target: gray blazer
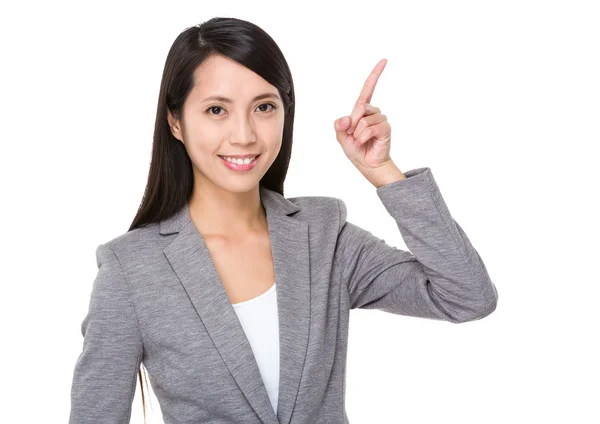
(157,299)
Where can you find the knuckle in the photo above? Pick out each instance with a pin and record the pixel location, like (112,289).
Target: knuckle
(367,124)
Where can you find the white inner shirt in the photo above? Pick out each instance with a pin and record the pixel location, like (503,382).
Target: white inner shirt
(260,321)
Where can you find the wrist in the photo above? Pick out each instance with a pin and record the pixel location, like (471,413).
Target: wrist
(385,174)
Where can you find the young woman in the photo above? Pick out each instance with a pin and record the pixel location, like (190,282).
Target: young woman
(235,298)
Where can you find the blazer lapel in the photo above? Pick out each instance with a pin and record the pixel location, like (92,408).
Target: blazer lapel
(191,261)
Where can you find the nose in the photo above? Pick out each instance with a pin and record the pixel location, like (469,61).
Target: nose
(242,132)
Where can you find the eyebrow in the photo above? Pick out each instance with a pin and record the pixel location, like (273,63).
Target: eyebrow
(228,100)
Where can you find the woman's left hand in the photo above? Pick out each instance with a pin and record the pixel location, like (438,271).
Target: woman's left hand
(365,135)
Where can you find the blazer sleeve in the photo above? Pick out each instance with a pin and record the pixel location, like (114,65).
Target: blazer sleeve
(104,379)
(442,277)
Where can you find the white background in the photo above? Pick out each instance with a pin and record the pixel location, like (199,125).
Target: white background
(500,99)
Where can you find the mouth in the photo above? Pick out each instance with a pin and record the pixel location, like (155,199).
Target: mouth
(235,166)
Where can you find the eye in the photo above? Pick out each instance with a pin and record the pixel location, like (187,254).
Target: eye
(273,107)
(212,108)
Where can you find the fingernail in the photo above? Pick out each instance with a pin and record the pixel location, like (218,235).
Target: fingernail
(350,130)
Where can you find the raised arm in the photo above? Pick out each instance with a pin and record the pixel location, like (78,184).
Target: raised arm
(442,277)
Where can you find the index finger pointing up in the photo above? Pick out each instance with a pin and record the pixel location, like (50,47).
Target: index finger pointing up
(369,87)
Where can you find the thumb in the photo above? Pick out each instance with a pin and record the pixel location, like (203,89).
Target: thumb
(341,125)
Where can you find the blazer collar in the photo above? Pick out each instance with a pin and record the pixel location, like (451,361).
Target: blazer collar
(273,202)
(188,255)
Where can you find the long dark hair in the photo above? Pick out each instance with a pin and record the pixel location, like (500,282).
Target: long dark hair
(171,178)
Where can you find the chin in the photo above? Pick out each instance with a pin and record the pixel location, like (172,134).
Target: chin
(249,184)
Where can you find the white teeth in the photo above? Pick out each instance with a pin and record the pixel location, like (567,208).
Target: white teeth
(239,161)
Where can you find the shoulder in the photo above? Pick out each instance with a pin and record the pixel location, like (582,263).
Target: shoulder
(136,240)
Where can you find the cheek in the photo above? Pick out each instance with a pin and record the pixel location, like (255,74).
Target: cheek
(203,139)
(274,131)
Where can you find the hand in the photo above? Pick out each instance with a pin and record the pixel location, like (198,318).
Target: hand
(365,135)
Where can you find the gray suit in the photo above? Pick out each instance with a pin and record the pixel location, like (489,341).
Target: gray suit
(157,298)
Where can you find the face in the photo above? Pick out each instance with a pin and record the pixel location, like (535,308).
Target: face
(239,123)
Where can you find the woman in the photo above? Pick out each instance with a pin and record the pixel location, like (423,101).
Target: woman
(235,298)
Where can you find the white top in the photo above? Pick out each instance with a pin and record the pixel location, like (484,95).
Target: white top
(260,321)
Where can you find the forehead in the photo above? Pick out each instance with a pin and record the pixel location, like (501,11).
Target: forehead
(220,75)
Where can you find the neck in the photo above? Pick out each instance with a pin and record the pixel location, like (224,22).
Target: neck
(217,212)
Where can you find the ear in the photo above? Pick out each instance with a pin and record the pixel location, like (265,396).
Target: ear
(175,126)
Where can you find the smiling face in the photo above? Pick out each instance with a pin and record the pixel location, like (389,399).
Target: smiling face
(230,111)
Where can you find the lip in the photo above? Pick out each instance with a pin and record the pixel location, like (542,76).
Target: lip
(240,168)
(241,156)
